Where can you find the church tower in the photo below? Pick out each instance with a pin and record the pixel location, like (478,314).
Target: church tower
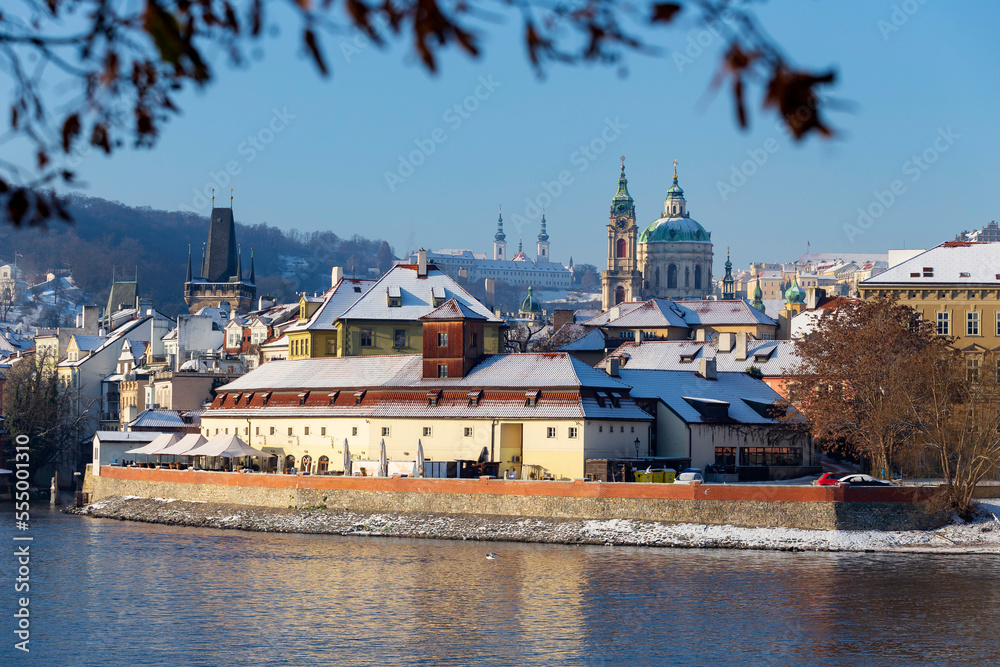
(728,284)
(500,240)
(622,280)
(221,277)
(542,249)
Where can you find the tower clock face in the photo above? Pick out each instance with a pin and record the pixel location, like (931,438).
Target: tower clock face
(622,223)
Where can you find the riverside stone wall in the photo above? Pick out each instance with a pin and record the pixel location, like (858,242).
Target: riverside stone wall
(823,508)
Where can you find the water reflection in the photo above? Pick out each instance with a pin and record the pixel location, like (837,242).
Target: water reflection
(108,592)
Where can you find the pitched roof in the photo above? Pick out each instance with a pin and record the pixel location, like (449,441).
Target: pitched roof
(774,358)
(416,299)
(220,252)
(595,341)
(452,309)
(722,312)
(336,300)
(745,395)
(635,314)
(951,263)
(157,418)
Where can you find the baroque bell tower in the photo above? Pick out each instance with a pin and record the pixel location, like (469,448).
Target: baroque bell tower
(622,280)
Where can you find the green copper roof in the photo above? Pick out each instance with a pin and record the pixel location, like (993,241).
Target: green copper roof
(795,294)
(500,236)
(530,304)
(542,235)
(675,230)
(758,296)
(675,191)
(622,194)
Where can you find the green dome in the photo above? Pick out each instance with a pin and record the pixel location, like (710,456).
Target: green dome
(530,304)
(794,294)
(674,230)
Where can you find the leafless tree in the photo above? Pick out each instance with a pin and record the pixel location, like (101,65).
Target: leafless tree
(8,299)
(119,65)
(519,337)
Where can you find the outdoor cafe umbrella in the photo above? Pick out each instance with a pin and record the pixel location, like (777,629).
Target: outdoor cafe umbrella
(383,462)
(185,445)
(348,465)
(228,446)
(161,442)
(149,447)
(420,458)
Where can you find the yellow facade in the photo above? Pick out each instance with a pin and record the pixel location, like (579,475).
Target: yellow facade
(971,316)
(536,449)
(359,338)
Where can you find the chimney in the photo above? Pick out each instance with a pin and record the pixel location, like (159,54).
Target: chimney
(491,288)
(811,298)
(727,341)
(699,335)
(706,368)
(87,320)
(638,336)
(265,302)
(741,346)
(336,275)
(561,316)
(421,263)
(611,366)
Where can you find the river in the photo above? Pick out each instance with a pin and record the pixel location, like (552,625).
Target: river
(106,592)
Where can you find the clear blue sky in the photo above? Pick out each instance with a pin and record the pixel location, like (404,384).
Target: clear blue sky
(326,168)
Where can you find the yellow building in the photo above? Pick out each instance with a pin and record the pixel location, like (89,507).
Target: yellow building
(538,415)
(955,285)
(363,317)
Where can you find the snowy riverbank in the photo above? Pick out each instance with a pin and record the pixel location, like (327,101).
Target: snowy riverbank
(979,536)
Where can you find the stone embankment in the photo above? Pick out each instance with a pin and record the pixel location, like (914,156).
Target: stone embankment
(982,536)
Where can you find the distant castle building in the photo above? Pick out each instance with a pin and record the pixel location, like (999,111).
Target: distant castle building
(520,269)
(221,278)
(671,258)
(988,234)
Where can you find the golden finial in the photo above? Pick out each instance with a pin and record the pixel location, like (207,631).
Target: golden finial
(230,197)
(622,158)
(213,197)
(675,167)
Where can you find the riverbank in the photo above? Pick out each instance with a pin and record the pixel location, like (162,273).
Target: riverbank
(979,536)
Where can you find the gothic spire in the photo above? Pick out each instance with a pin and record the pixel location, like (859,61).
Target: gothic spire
(253,276)
(239,263)
(188,278)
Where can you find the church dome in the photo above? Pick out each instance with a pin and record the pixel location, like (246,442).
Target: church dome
(530,304)
(794,294)
(673,230)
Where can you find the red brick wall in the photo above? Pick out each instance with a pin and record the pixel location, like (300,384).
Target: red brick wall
(528,488)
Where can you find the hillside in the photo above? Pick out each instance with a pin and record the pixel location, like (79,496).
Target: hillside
(107,235)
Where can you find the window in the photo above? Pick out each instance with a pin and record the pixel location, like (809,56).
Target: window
(944,323)
(257,431)
(385,431)
(621,248)
(306,431)
(354,430)
(427,431)
(442,339)
(399,338)
(272,430)
(366,338)
(468,431)
(972,365)
(289,430)
(442,370)
(324,464)
(322,430)
(600,428)
(972,323)
(573,432)
(633,429)
(550,432)
(998,322)
(227,431)
(672,276)
(475,336)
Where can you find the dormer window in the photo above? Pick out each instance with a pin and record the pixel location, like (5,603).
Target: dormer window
(531,398)
(395,296)
(358,397)
(332,397)
(474,397)
(433,397)
(265,397)
(437,295)
(303,397)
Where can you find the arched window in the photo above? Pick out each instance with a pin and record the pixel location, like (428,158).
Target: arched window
(687,276)
(697,277)
(619,294)
(324,464)
(657,282)
(306,463)
(672,276)
(621,248)
(289,463)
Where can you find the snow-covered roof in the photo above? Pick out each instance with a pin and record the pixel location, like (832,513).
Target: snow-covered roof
(125,436)
(951,263)
(635,314)
(595,341)
(452,309)
(528,371)
(336,300)
(747,397)
(415,292)
(774,358)
(157,418)
(722,312)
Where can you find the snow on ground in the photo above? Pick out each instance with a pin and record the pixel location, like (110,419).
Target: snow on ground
(981,535)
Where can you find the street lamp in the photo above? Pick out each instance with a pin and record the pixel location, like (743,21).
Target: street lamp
(637,448)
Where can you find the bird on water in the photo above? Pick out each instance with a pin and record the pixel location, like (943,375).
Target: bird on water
(491,556)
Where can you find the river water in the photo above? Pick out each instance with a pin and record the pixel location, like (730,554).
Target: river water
(106,592)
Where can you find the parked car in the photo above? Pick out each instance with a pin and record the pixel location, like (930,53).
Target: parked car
(689,477)
(858,479)
(830,478)
(697,470)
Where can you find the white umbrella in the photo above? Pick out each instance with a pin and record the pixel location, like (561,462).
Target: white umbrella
(383,462)
(348,465)
(149,447)
(185,445)
(420,458)
(228,446)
